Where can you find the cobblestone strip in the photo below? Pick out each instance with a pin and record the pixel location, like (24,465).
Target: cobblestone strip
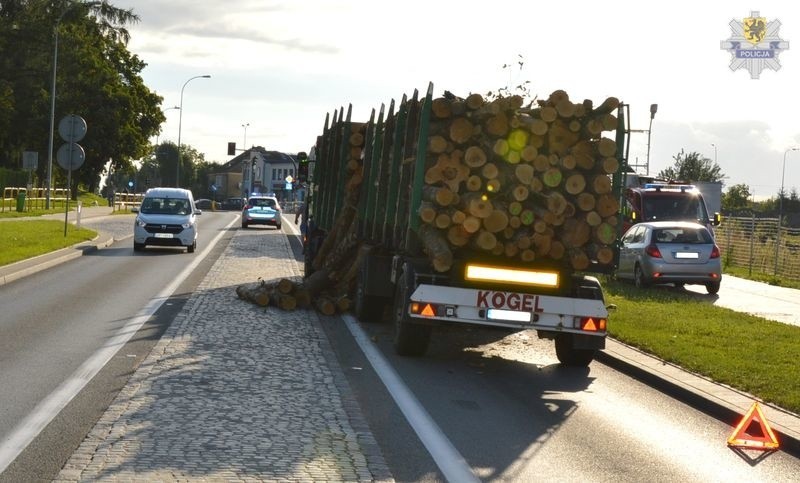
(234,392)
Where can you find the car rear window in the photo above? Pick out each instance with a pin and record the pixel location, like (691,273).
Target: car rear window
(682,235)
(262,202)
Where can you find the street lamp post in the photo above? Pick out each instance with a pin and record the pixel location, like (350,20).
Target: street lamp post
(780,210)
(244,143)
(653,109)
(53,100)
(180,120)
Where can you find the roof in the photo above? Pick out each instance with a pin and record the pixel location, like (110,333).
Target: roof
(169,192)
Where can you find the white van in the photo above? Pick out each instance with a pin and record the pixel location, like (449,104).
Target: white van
(166,217)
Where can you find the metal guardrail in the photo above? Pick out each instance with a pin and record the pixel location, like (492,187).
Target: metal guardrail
(126,201)
(35,198)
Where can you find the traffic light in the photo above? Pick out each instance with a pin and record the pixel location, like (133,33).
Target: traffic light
(302,169)
(231,149)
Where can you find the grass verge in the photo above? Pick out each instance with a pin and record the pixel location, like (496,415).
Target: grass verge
(20,240)
(750,353)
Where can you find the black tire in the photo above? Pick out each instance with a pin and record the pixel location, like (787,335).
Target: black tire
(137,247)
(368,308)
(191,248)
(638,277)
(278,226)
(712,287)
(569,356)
(409,339)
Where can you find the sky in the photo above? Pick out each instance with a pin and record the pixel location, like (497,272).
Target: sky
(279,67)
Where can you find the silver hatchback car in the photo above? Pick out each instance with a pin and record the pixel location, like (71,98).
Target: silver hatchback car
(670,252)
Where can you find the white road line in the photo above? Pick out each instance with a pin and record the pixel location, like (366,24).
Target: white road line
(454,467)
(44,412)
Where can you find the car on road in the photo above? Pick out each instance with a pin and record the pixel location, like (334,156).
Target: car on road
(233,204)
(203,204)
(670,252)
(261,210)
(166,217)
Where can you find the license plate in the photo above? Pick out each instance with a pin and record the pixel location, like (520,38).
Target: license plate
(163,235)
(511,315)
(687,255)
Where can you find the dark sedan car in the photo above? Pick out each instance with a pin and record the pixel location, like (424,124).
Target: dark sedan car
(262,210)
(670,252)
(203,204)
(234,204)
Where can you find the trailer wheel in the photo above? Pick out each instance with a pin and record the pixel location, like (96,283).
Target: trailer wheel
(369,308)
(569,356)
(409,339)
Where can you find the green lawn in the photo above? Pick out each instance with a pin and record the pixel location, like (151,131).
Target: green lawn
(25,239)
(755,355)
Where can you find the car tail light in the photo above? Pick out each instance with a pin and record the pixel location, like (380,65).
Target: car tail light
(715,252)
(653,251)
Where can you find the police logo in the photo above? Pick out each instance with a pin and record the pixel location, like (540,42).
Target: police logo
(754,44)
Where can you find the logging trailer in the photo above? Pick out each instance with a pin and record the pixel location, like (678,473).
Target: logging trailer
(393,251)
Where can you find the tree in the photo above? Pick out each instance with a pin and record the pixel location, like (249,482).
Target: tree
(693,167)
(97,79)
(736,198)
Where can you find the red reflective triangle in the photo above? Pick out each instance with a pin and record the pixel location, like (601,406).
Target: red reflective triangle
(589,325)
(428,311)
(741,438)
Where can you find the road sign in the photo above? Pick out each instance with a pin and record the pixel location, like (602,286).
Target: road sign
(30,160)
(72,128)
(71,156)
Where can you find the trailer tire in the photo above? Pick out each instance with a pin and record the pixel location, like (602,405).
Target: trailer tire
(368,308)
(569,356)
(409,339)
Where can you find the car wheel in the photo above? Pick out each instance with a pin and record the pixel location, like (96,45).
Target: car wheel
(712,287)
(191,248)
(409,339)
(137,247)
(278,226)
(638,277)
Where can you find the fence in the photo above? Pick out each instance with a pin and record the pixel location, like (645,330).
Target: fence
(753,243)
(126,201)
(35,198)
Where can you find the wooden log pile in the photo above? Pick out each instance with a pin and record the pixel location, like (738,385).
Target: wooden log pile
(519,182)
(328,289)
(522,183)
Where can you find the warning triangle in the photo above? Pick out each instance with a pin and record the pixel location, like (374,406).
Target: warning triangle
(753,422)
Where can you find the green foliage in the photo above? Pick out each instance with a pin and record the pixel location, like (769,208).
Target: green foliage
(20,240)
(97,78)
(747,352)
(693,167)
(736,199)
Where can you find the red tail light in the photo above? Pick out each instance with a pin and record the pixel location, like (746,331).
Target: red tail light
(653,251)
(715,252)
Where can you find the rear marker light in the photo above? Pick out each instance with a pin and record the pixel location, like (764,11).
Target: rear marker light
(715,252)
(592,324)
(653,251)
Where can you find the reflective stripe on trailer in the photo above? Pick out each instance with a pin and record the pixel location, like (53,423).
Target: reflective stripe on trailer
(470,306)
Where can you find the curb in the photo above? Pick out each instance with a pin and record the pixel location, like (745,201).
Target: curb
(30,266)
(719,408)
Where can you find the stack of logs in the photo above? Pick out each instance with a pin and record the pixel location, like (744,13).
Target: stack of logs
(522,183)
(519,182)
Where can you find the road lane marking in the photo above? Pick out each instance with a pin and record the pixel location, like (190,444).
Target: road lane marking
(450,462)
(47,409)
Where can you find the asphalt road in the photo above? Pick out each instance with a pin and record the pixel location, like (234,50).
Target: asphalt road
(513,414)
(100,312)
